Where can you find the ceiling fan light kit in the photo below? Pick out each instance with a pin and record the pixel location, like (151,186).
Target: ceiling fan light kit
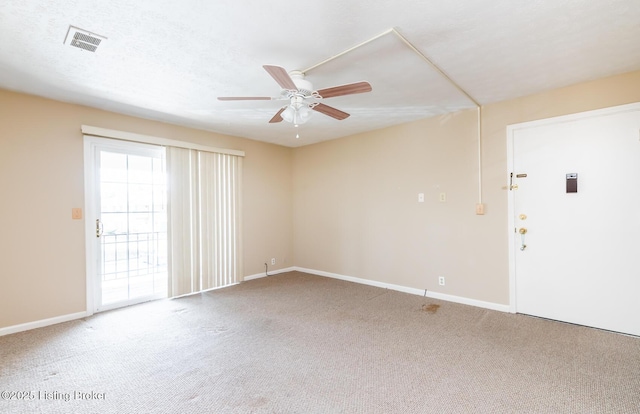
(296,113)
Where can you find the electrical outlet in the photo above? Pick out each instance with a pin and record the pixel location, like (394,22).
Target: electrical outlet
(443,197)
(480,209)
(273,261)
(420,197)
(441,280)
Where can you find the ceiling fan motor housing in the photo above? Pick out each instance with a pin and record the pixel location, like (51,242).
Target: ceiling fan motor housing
(304,86)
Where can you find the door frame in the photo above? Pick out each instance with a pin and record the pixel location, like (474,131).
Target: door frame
(90,209)
(511,132)
(91,144)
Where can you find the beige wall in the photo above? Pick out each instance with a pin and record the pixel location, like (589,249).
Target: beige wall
(42,251)
(347,206)
(355,199)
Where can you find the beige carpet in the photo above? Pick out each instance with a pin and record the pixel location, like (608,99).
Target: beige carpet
(296,343)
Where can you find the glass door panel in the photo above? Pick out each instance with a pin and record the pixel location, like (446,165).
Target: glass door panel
(132,255)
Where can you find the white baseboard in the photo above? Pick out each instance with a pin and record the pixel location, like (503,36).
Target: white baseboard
(413,291)
(42,323)
(435,295)
(271,273)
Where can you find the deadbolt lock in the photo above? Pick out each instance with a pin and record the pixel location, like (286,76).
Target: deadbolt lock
(523,216)
(522,230)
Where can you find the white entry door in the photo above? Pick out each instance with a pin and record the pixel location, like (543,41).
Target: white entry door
(575,256)
(127,217)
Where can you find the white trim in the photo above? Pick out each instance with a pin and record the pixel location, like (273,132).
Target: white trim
(271,273)
(148,139)
(511,129)
(42,323)
(201,291)
(576,116)
(420,292)
(89,221)
(511,225)
(128,302)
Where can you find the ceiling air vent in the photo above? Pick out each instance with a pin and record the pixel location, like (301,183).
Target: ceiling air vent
(83,39)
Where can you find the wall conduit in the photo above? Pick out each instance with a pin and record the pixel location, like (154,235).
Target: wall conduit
(434,67)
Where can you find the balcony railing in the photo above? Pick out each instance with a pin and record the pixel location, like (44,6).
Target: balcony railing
(133,265)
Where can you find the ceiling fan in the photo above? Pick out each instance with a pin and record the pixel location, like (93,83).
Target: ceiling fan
(302,97)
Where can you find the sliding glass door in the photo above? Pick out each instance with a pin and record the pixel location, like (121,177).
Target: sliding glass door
(161,221)
(130,199)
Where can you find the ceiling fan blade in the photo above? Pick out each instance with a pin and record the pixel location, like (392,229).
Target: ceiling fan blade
(244,98)
(349,89)
(280,75)
(331,111)
(277,117)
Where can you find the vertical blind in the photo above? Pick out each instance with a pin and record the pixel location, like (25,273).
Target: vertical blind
(204,216)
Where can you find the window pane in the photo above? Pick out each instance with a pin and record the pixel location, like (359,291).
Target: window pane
(140,197)
(140,170)
(160,223)
(113,167)
(114,223)
(159,198)
(140,222)
(113,197)
(159,174)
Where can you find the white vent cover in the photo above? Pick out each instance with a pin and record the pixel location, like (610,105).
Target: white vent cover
(83,39)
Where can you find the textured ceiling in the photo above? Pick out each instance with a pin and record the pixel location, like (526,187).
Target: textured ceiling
(169,60)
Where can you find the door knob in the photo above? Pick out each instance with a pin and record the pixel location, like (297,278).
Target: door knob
(522,230)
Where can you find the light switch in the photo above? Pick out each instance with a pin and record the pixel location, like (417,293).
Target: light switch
(421,198)
(76,213)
